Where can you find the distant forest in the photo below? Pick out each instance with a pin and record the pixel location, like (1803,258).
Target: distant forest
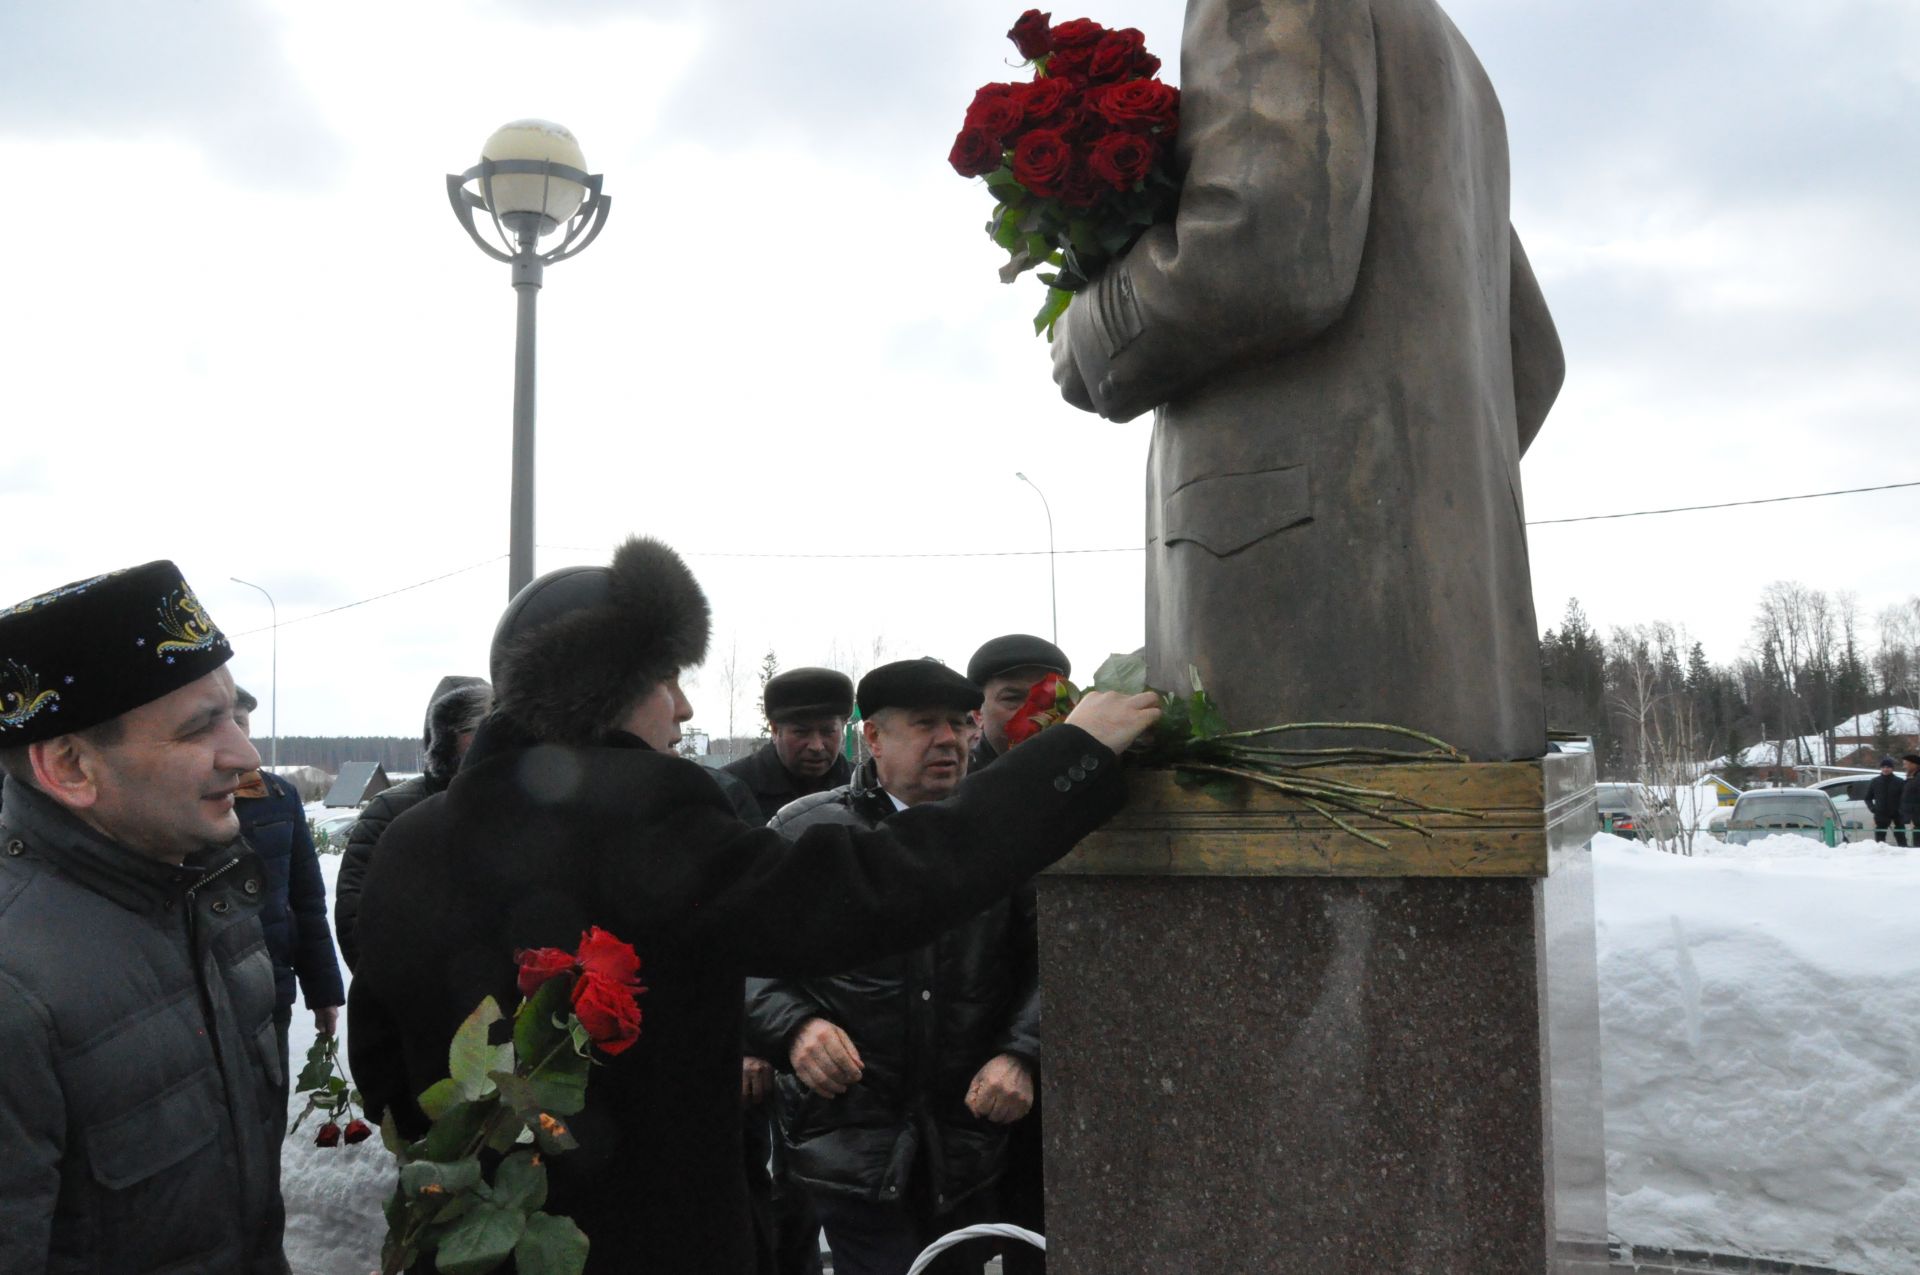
(400,754)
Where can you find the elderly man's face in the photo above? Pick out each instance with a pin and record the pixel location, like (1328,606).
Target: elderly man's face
(920,753)
(166,788)
(1005,694)
(808,745)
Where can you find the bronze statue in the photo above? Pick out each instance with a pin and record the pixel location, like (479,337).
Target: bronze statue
(1349,354)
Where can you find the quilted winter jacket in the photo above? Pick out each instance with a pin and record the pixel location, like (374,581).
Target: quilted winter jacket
(924,1021)
(139,1071)
(294,917)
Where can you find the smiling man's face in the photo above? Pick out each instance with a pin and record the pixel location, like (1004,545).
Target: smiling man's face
(165,787)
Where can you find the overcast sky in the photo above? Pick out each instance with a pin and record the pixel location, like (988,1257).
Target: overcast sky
(243,330)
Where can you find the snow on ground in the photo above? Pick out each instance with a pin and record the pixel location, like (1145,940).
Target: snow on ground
(1760,1015)
(334,1223)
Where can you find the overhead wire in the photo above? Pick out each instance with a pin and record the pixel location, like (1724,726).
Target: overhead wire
(1034,553)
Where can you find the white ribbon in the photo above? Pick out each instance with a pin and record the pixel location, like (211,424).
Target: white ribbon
(992,1230)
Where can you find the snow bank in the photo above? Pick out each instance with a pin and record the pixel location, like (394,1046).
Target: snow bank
(334,1223)
(1760,1014)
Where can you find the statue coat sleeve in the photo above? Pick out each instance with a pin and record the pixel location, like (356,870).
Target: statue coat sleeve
(1277,137)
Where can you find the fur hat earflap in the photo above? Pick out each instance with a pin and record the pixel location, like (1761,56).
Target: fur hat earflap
(458,711)
(577,646)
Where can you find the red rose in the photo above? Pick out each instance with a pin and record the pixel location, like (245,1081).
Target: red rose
(608,1011)
(606,957)
(1069,64)
(1146,64)
(1081,189)
(1042,160)
(1077,33)
(1031,36)
(1116,54)
(539,964)
(1121,159)
(1042,699)
(1042,100)
(329,1135)
(357,1131)
(998,115)
(1136,104)
(974,153)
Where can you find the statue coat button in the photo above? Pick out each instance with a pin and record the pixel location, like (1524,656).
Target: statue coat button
(1061,783)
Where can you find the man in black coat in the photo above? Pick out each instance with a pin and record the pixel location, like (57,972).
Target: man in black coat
(901,1076)
(140,1121)
(294,918)
(458,705)
(572,811)
(1883,800)
(807,710)
(1910,791)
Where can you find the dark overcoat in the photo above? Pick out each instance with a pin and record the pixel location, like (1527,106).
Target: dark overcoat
(294,915)
(774,786)
(533,843)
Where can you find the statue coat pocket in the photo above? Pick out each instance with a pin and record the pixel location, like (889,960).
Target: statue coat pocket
(1228,512)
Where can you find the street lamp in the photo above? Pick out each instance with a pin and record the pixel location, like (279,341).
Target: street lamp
(531,182)
(1053,583)
(273,692)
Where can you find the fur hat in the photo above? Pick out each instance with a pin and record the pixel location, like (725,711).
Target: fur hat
(460,710)
(577,646)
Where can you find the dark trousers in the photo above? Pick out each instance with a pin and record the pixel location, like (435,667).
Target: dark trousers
(786,1233)
(883,1239)
(282,1023)
(1880,827)
(1023,1194)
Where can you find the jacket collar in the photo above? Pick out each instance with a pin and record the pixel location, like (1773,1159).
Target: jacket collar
(500,735)
(52,834)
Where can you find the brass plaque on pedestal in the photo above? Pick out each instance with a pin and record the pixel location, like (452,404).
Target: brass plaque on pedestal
(1521,815)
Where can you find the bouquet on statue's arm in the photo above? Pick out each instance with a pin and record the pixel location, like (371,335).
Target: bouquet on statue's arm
(1192,740)
(471,1191)
(1078,159)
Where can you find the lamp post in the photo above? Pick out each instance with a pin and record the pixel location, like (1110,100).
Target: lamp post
(273,691)
(531,182)
(1053,584)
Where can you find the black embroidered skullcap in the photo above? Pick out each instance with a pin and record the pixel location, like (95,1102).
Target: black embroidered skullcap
(1016,650)
(922,683)
(89,651)
(808,692)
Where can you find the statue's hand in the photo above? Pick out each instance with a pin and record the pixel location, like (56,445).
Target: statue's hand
(1066,371)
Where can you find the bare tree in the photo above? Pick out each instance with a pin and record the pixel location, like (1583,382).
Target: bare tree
(730,679)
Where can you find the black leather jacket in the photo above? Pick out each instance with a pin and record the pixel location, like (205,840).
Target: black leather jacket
(924,1022)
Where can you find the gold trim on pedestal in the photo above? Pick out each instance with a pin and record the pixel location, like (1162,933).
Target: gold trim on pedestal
(1529,813)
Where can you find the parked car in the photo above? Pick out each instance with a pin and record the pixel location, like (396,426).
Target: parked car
(1630,811)
(1849,793)
(1774,812)
(331,828)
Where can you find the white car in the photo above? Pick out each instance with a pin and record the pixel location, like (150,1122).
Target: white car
(1773,812)
(1849,793)
(330,829)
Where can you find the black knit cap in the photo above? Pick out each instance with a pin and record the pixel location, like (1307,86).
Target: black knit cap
(1016,650)
(89,651)
(922,683)
(808,692)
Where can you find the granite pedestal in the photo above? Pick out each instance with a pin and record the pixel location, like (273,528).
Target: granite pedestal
(1272,1047)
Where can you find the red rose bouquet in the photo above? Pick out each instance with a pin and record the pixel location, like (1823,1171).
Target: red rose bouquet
(1079,158)
(507,1095)
(1191,739)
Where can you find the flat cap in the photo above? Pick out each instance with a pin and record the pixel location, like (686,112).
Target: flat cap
(921,683)
(1016,650)
(807,692)
(89,651)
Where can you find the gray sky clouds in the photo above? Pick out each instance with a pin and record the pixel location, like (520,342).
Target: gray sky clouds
(266,349)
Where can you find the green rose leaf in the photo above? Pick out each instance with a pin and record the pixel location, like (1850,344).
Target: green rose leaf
(535,1031)
(1206,718)
(550,1246)
(453,1134)
(441,1097)
(561,1090)
(472,1054)
(437,1179)
(480,1241)
(521,1181)
(1057,303)
(319,1065)
(1126,674)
